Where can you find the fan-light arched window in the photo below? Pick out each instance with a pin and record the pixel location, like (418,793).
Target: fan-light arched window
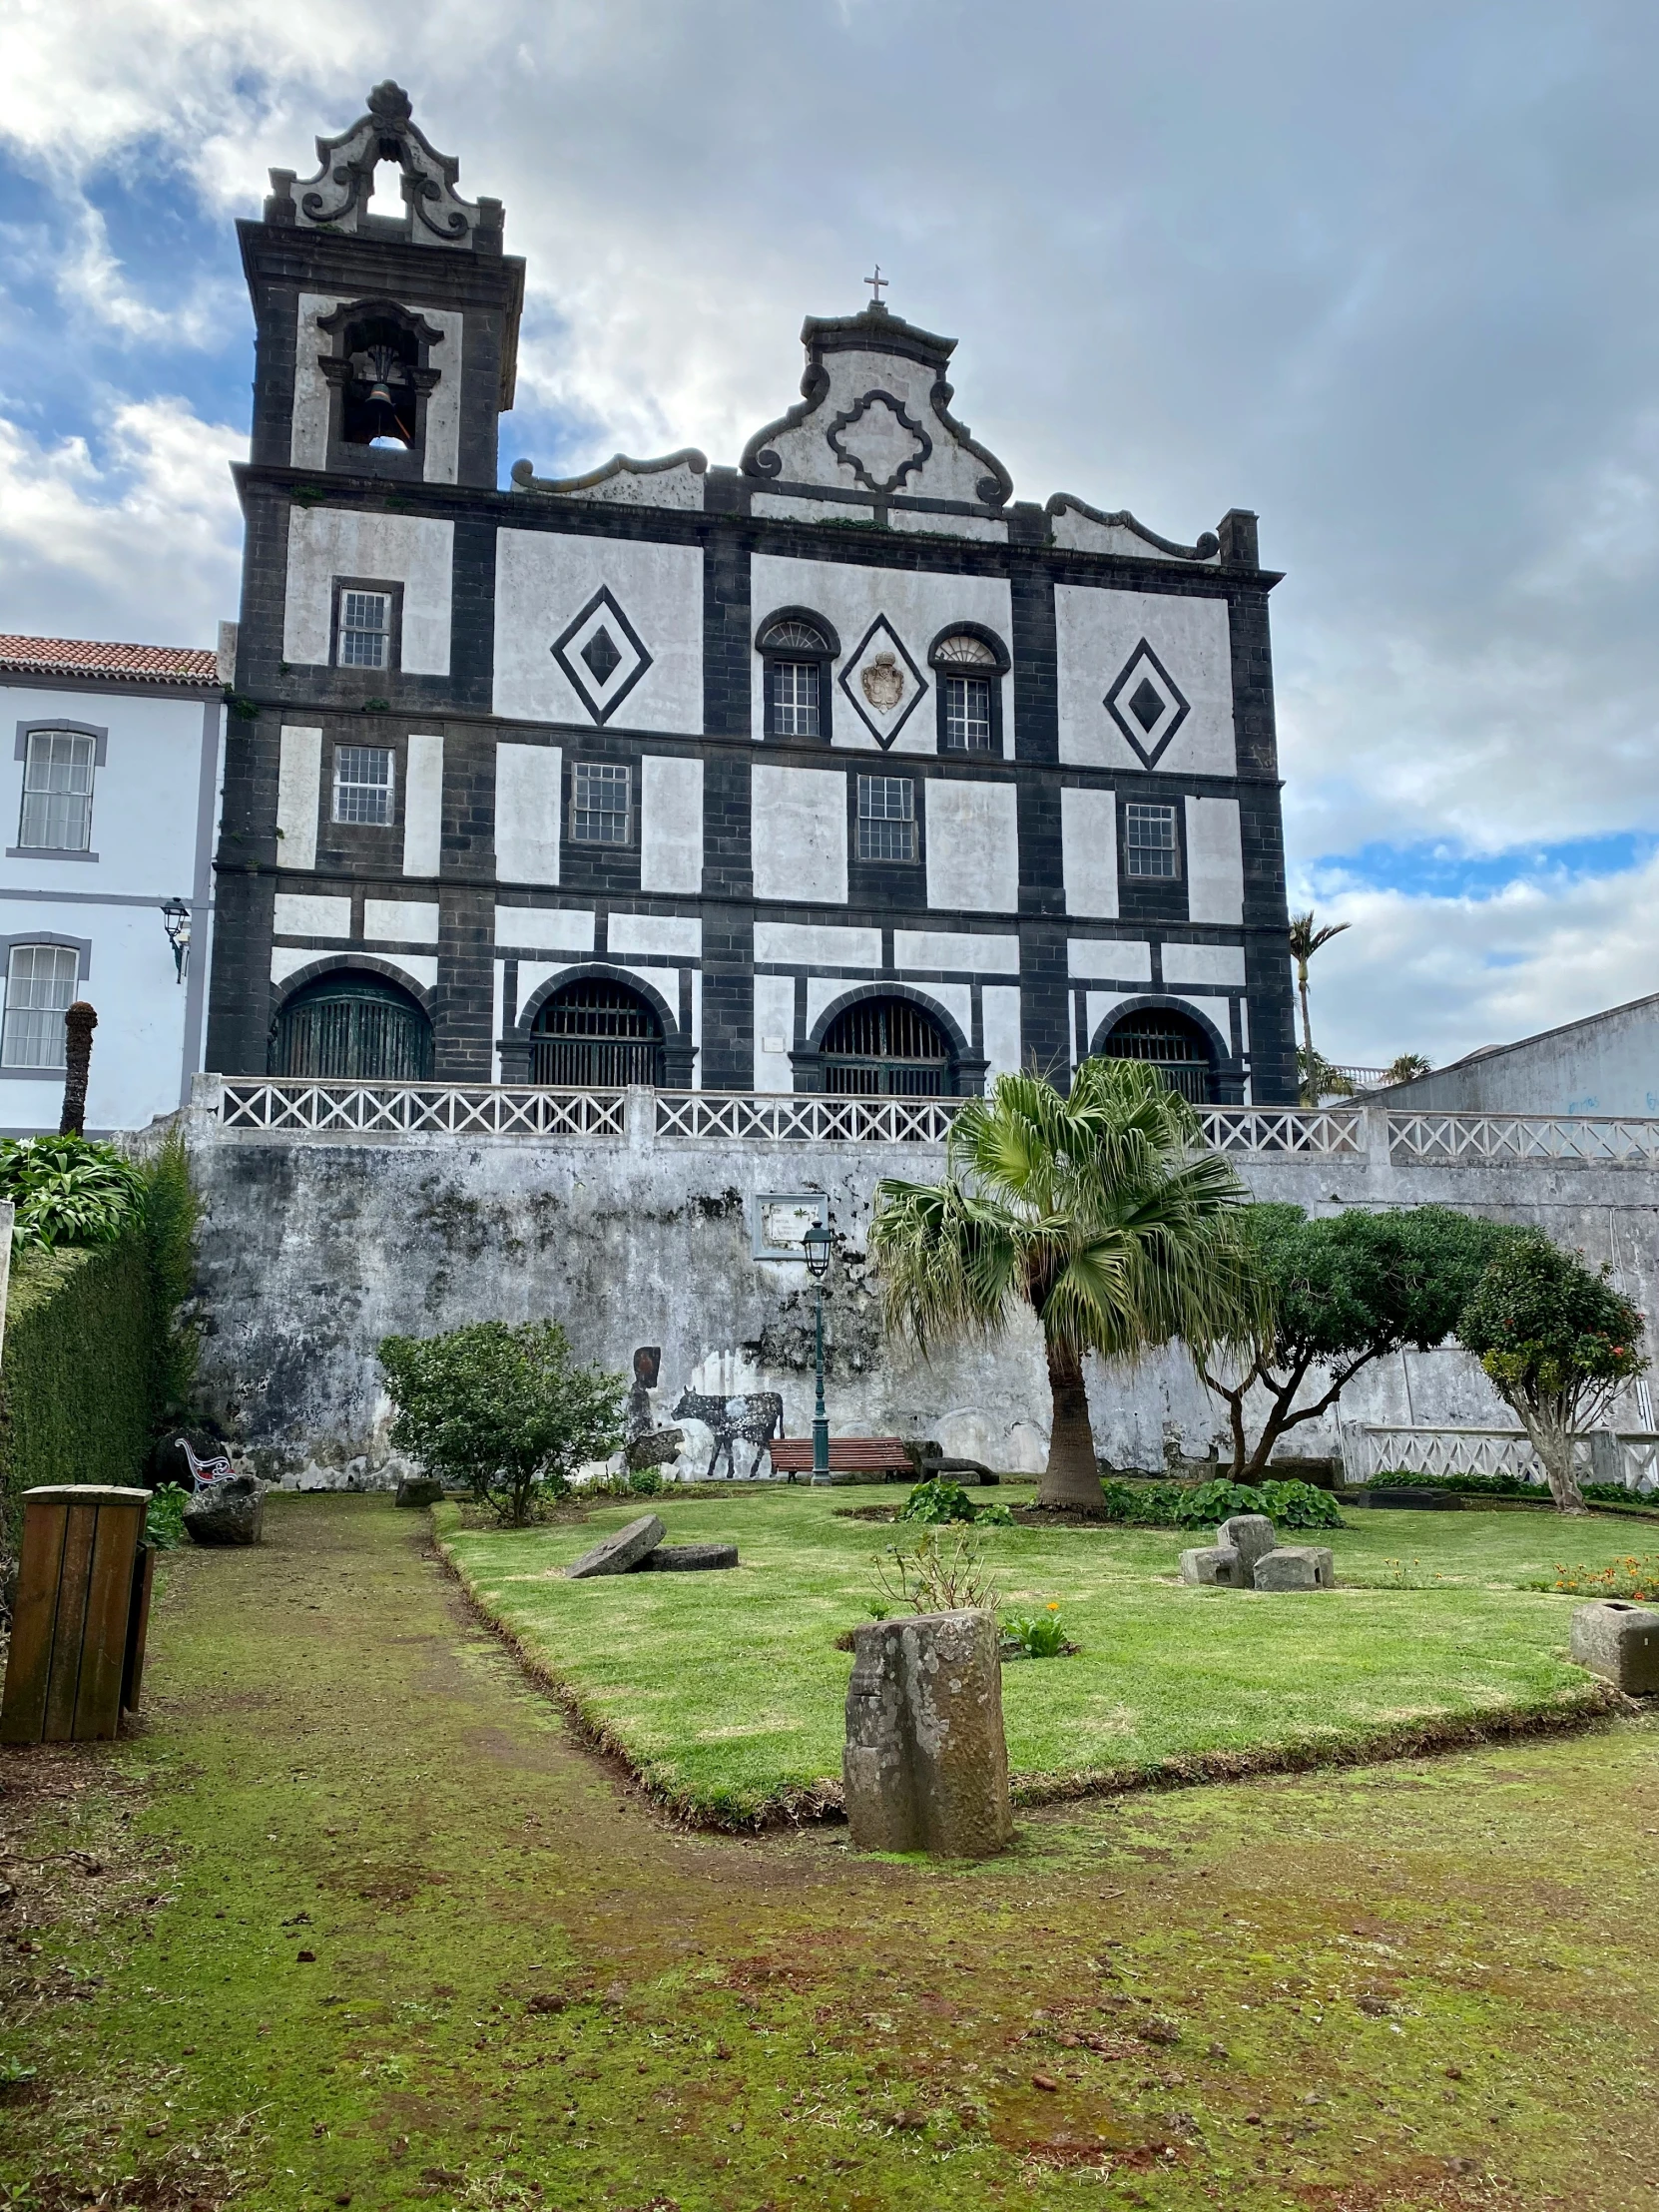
(886,1047)
(1171,1043)
(798,655)
(595,1035)
(350,1027)
(970,693)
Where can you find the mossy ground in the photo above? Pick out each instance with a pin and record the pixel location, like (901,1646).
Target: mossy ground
(726,1692)
(1419,1985)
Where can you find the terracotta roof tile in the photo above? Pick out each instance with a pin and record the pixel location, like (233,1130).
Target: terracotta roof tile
(70,657)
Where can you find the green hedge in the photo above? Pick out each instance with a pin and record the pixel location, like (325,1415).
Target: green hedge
(78,1373)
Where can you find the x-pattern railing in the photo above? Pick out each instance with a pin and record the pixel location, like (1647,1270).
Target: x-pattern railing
(408,1109)
(1500,1137)
(1374,1449)
(803,1117)
(1255,1129)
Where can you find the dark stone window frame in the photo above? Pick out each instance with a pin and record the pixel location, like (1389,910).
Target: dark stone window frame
(967,1068)
(393,591)
(943,670)
(824,662)
(568,839)
(343,964)
(1178,823)
(895,872)
(1227,1064)
(400,463)
(517,1038)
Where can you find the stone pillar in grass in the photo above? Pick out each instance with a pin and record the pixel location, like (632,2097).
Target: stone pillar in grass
(927,1763)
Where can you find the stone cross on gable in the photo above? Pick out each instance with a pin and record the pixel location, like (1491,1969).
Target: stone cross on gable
(877,285)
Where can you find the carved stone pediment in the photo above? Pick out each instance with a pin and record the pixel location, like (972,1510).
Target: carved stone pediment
(338,197)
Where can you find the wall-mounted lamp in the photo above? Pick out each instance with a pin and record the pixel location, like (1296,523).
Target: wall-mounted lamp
(176,921)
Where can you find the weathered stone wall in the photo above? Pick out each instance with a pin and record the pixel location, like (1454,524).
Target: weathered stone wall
(314,1247)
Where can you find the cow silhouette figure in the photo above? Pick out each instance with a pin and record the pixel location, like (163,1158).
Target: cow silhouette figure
(753,1418)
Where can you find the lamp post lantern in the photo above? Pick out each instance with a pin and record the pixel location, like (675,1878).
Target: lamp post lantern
(816,1245)
(176,921)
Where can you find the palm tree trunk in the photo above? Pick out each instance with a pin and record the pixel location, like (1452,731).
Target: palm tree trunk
(1072,1476)
(1307,1024)
(79,1023)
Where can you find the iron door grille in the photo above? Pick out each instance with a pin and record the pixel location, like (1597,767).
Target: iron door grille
(596,1037)
(1175,1047)
(886,1047)
(354,1033)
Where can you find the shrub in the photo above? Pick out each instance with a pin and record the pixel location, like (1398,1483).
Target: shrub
(644,1482)
(935,1577)
(505,1411)
(1202,1506)
(164,1523)
(1036,1635)
(936,1501)
(172,1212)
(68,1191)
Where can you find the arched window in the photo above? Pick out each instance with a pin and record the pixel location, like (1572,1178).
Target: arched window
(595,1035)
(1169,1041)
(348,1027)
(969,665)
(886,1047)
(798,653)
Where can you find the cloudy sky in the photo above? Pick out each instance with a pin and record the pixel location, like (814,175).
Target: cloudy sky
(1386,275)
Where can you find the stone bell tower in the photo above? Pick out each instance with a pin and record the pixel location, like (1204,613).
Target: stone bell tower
(387,345)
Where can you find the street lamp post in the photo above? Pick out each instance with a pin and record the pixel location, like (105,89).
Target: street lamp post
(816,1245)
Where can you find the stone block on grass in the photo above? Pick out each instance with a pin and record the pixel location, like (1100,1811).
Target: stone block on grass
(617,1554)
(687,1559)
(1214,1565)
(1621,1641)
(926,1761)
(419,1489)
(1251,1537)
(1297,1567)
(229,1511)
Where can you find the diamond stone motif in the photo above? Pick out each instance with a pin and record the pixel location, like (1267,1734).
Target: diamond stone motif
(601,655)
(1147,704)
(881,682)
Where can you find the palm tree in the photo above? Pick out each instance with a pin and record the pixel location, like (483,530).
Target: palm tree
(1103,1210)
(1306,939)
(1407,1068)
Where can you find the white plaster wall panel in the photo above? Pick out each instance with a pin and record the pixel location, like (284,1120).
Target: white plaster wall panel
(1217,1011)
(308,423)
(1111,959)
(1215,860)
(411,550)
(544,928)
(671,824)
(543,583)
(1097,632)
(401,920)
(1089,852)
(916,605)
(803,945)
(298,795)
(443,402)
(775,506)
(423,805)
(947,526)
(967,953)
(667,936)
(972,847)
(286,958)
(528,792)
(799,818)
(1203,964)
(949,472)
(999,1010)
(498,1018)
(773,1032)
(659,983)
(1074,527)
(955,999)
(1101,1005)
(632,484)
(697,1026)
(303,915)
(532,974)
(418,968)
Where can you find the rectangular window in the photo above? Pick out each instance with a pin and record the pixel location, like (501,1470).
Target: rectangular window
(599,804)
(40,987)
(365,784)
(1149,847)
(793,698)
(57,792)
(365,629)
(886,817)
(968,714)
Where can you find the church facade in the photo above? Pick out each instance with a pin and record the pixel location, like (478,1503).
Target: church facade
(841,769)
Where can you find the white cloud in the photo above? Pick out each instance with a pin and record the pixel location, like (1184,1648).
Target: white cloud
(143,545)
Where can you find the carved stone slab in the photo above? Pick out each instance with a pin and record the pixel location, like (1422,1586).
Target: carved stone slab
(1214,1563)
(926,1761)
(1297,1567)
(687,1558)
(1251,1537)
(1621,1641)
(615,1554)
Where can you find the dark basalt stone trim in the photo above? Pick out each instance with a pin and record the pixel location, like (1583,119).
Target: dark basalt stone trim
(525,479)
(1208,547)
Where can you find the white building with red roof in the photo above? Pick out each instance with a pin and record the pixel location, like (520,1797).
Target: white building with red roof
(105,870)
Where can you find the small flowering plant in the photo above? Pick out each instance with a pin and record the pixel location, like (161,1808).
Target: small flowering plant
(1631,1576)
(1040,1635)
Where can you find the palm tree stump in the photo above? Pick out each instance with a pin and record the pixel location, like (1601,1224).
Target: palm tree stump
(79,1023)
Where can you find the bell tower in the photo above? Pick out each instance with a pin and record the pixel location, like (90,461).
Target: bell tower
(386,345)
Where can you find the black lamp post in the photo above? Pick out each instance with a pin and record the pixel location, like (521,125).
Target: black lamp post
(816,1245)
(176,921)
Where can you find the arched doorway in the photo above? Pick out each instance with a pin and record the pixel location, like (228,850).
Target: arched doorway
(886,1047)
(596,1035)
(1170,1041)
(351,1027)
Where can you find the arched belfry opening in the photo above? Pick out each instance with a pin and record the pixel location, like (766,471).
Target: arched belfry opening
(596,1034)
(380,371)
(889,1048)
(350,1026)
(1164,1038)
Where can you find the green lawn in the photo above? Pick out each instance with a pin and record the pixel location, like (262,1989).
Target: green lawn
(726,1691)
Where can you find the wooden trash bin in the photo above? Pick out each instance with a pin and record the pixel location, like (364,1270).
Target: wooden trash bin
(78,1627)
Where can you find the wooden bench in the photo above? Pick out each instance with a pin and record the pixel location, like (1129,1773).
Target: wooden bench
(850,1456)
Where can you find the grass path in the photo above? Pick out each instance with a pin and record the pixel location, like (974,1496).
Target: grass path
(1424,1985)
(726,1692)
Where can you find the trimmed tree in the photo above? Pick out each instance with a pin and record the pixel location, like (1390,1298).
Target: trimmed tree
(1343,1292)
(1558,1342)
(505,1411)
(1102,1209)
